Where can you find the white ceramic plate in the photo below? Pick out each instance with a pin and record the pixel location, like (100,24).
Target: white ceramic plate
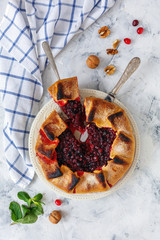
(40,118)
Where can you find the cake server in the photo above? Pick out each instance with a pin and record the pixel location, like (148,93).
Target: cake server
(49,54)
(130,69)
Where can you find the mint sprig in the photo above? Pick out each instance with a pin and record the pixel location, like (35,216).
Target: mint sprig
(31,211)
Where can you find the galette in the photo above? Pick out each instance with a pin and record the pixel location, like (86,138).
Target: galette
(91,166)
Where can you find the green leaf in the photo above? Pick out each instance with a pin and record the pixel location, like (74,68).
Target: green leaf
(13,216)
(29,218)
(15,211)
(38,210)
(25,210)
(37,197)
(25,197)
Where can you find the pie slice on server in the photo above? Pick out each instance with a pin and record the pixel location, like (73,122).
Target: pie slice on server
(65,93)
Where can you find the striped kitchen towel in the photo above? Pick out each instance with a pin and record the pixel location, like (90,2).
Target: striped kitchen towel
(25,25)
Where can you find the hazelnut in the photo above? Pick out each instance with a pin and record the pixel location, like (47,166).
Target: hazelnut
(92,61)
(55,217)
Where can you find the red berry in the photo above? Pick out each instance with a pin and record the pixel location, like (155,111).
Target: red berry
(58,202)
(127,40)
(140,30)
(135,22)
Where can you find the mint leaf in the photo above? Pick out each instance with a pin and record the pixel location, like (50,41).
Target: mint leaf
(25,209)
(38,210)
(15,211)
(37,197)
(25,197)
(29,218)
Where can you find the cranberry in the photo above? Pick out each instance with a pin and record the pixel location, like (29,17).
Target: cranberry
(127,40)
(140,30)
(80,173)
(135,22)
(58,202)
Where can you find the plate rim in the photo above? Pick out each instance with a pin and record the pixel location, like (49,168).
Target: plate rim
(50,105)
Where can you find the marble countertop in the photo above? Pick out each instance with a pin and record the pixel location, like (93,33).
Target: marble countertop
(132,212)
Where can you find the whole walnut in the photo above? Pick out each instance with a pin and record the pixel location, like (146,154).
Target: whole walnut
(55,217)
(92,61)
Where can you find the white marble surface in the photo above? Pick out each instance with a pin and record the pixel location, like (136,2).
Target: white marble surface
(133,212)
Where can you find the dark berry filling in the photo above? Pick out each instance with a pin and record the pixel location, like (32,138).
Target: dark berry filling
(100,141)
(75,113)
(88,156)
(70,151)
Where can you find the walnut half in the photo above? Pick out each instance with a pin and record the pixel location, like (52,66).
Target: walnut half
(111,51)
(116,43)
(110,70)
(104,32)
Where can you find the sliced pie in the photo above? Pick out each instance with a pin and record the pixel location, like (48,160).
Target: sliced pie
(65,93)
(97,164)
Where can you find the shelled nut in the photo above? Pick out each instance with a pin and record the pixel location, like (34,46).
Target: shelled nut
(104,32)
(112,51)
(116,43)
(110,69)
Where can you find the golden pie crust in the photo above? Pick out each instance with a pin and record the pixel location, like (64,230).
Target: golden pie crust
(64,89)
(53,126)
(103,114)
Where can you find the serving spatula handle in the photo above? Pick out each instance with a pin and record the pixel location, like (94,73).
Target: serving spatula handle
(130,69)
(49,54)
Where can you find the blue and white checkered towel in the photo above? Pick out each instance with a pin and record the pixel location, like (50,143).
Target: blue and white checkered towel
(25,25)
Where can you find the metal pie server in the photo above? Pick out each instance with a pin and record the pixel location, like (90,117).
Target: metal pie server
(49,54)
(130,69)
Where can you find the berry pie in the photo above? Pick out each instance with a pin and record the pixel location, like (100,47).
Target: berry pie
(91,166)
